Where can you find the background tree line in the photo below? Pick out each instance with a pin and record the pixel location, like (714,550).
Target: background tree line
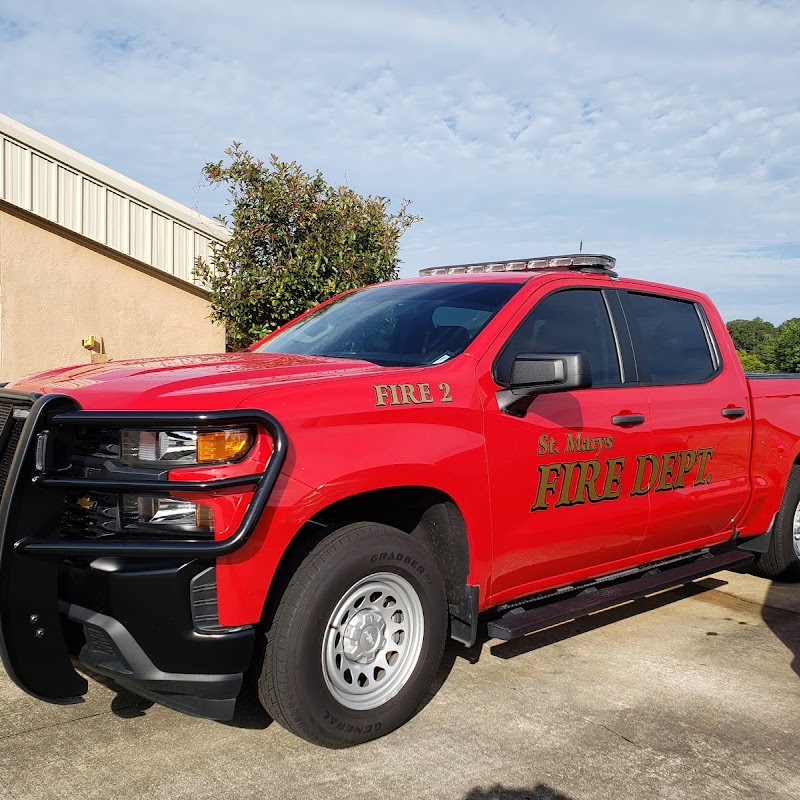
(764,347)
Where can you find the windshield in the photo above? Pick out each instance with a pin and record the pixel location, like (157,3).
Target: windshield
(396,325)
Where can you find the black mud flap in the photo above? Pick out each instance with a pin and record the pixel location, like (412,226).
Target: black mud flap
(32,643)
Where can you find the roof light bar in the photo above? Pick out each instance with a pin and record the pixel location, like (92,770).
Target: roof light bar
(575,262)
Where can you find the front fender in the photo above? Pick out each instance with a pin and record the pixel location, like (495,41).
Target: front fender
(334,458)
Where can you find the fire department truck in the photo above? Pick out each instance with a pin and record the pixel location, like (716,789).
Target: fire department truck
(494,447)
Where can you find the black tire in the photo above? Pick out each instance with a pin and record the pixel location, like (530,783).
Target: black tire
(295,684)
(782,560)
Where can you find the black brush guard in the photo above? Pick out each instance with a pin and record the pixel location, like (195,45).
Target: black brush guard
(32,643)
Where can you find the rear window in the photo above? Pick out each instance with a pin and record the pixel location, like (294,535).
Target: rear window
(397,324)
(672,343)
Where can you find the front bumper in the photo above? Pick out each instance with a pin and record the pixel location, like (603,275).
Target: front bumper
(135,623)
(122,607)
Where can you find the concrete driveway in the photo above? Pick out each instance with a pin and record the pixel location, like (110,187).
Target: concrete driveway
(693,693)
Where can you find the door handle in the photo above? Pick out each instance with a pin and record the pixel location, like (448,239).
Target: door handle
(733,413)
(627,419)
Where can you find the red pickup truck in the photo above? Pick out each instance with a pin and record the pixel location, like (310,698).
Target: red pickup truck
(514,443)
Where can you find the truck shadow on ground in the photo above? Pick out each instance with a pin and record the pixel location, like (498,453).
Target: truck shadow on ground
(783,623)
(125,704)
(498,792)
(599,619)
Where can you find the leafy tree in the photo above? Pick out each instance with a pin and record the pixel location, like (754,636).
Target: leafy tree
(756,336)
(750,362)
(296,241)
(787,346)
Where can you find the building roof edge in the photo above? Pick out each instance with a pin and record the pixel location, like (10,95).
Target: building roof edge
(92,169)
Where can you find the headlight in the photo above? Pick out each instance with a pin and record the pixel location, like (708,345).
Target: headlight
(167,515)
(184,448)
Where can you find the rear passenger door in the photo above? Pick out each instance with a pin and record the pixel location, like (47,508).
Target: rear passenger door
(697,473)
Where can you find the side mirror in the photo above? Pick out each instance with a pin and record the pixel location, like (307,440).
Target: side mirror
(532,374)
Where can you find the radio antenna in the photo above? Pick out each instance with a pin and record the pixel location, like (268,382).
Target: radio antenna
(580,246)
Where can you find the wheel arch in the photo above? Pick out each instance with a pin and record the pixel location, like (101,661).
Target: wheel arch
(428,515)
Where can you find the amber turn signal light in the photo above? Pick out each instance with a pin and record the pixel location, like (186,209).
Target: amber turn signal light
(222,445)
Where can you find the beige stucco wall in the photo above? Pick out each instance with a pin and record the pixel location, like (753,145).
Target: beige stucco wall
(56,289)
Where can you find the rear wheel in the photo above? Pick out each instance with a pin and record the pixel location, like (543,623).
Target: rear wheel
(782,561)
(357,637)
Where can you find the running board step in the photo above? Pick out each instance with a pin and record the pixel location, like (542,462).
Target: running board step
(518,622)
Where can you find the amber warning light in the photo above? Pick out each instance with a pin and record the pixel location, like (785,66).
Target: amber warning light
(585,262)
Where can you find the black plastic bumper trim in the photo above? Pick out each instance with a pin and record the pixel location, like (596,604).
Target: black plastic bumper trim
(209,696)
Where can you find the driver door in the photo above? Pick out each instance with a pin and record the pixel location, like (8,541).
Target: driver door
(561,475)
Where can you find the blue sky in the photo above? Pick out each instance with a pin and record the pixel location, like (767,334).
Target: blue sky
(664,133)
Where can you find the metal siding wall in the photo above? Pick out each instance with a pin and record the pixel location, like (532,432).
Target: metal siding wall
(162,243)
(183,251)
(93,218)
(117,227)
(41,177)
(44,187)
(16,175)
(69,199)
(141,230)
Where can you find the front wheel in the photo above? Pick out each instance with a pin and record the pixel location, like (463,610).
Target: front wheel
(357,637)
(782,560)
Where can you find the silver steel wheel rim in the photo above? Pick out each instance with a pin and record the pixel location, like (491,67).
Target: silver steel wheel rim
(796,531)
(373,641)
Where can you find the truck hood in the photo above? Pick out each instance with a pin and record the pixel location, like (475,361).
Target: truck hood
(203,382)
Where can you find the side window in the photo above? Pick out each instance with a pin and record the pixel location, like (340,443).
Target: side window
(570,321)
(672,343)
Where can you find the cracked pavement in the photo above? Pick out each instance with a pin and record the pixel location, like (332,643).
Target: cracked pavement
(692,693)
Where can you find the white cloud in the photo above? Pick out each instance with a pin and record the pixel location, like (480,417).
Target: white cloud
(666,133)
